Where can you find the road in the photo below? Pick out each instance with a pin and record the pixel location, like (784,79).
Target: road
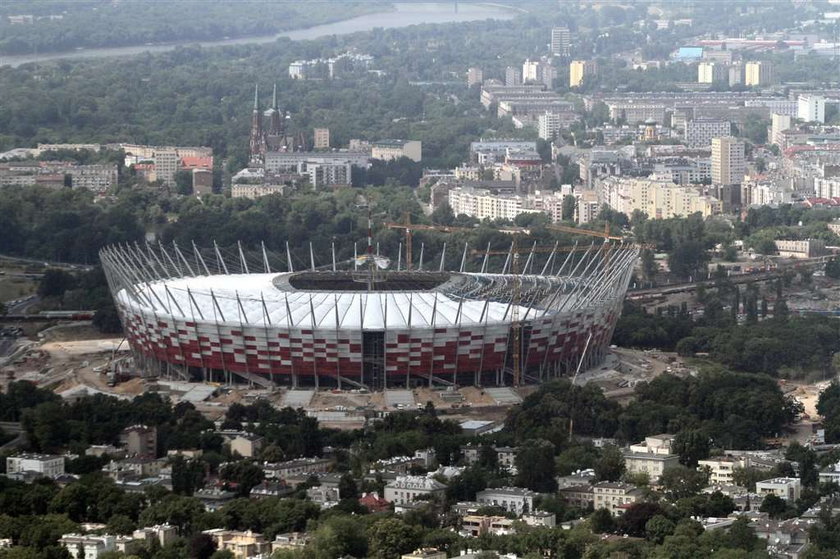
(737,279)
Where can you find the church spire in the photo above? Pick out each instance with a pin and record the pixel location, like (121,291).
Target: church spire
(256,97)
(274,98)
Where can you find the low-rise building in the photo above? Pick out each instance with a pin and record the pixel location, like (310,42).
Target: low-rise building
(807,248)
(290,540)
(164,534)
(140,440)
(513,499)
(615,496)
(787,488)
(214,498)
(830,474)
(405,489)
(85,546)
(655,444)
(245,444)
(722,468)
(44,464)
(477,525)
(580,496)
(654,465)
(425,553)
(388,150)
(268,489)
(243,545)
(284,470)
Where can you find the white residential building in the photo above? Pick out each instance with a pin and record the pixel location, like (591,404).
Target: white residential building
(657,197)
(513,499)
(85,546)
(728,161)
(166,166)
(787,488)
(45,464)
(722,468)
(700,131)
(388,150)
(615,496)
(405,489)
(779,123)
(811,108)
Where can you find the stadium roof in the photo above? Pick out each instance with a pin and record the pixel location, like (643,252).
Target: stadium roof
(255,299)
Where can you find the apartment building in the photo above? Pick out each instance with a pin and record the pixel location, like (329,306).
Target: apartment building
(758,73)
(44,464)
(561,41)
(405,489)
(513,499)
(699,132)
(722,468)
(811,108)
(388,150)
(712,72)
(243,545)
(615,497)
(728,161)
(657,197)
(579,70)
(787,488)
(321,138)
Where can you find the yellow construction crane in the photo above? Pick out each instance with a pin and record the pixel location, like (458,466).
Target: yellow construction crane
(409,227)
(589,232)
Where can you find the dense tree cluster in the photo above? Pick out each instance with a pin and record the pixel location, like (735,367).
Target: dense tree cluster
(96,23)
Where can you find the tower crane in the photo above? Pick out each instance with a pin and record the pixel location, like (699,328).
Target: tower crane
(589,232)
(409,227)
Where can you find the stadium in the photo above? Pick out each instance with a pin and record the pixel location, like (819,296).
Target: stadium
(368,322)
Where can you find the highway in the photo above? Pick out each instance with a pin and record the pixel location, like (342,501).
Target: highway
(737,279)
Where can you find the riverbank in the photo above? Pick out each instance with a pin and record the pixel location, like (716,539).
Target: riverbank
(399,15)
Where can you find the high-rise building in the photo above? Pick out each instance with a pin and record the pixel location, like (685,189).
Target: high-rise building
(711,72)
(513,76)
(550,125)
(700,131)
(758,73)
(778,124)
(736,74)
(728,164)
(166,166)
(474,76)
(321,138)
(579,70)
(811,108)
(531,71)
(561,41)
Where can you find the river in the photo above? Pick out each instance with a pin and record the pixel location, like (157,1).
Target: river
(402,16)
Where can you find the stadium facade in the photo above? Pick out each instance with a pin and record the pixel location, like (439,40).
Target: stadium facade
(205,315)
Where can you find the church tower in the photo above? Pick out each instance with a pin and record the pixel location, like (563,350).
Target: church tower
(276,125)
(257,142)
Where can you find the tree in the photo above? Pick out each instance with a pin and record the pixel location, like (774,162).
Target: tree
(688,259)
(245,474)
(390,537)
(535,466)
(775,506)
(649,265)
(201,546)
(610,466)
(658,528)
(691,445)
(55,283)
(634,520)
(601,521)
(569,205)
(680,481)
